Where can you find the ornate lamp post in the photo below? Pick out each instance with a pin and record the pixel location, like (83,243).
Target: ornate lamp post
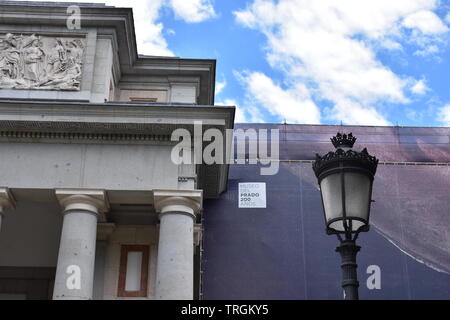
(346,178)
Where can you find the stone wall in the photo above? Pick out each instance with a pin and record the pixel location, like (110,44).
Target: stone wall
(129,235)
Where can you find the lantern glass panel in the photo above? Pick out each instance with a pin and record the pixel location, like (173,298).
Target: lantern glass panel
(332,196)
(357,198)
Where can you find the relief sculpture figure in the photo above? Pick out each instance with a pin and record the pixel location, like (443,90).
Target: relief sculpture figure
(33,58)
(33,62)
(9,61)
(56,58)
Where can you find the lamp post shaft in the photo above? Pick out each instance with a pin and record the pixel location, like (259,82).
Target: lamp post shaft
(349,251)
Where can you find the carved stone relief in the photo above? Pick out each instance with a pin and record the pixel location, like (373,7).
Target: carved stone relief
(44,63)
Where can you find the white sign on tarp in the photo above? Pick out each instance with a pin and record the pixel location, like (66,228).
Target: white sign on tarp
(252,196)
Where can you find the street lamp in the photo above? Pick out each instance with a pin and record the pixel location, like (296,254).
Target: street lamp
(346,178)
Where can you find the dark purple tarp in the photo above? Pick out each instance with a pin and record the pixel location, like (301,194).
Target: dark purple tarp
(282,252)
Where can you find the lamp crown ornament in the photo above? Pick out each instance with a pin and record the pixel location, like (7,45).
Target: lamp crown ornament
(341,143)
(343,140)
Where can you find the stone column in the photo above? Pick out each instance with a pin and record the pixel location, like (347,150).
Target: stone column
(76,259)
(104,231)
(6,202)
(175,263)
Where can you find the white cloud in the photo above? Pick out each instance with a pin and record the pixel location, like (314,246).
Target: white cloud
(447,18)
(444,115)
(427,51)
(391,44)
(293,105)
(149,36)
(171,32)
(425,21)
(420,87)
(193,10)
(348,111)
(220,85)
(330,46)
(241,116)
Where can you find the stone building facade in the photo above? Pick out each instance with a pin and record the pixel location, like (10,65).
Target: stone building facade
(92,207)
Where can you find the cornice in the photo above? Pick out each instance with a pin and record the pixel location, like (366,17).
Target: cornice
(19,119)
(86,138)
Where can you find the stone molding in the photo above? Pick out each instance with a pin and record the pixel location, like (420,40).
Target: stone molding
(94,201)
(85,137)
(7,200)
(109,118)
(110,124)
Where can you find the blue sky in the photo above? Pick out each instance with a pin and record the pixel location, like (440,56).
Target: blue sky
(362,62)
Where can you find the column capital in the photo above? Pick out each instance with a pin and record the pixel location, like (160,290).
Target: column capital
(7,200)
(184,201)
(94,201)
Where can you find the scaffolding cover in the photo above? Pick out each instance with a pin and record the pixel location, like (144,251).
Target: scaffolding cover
(282,251)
